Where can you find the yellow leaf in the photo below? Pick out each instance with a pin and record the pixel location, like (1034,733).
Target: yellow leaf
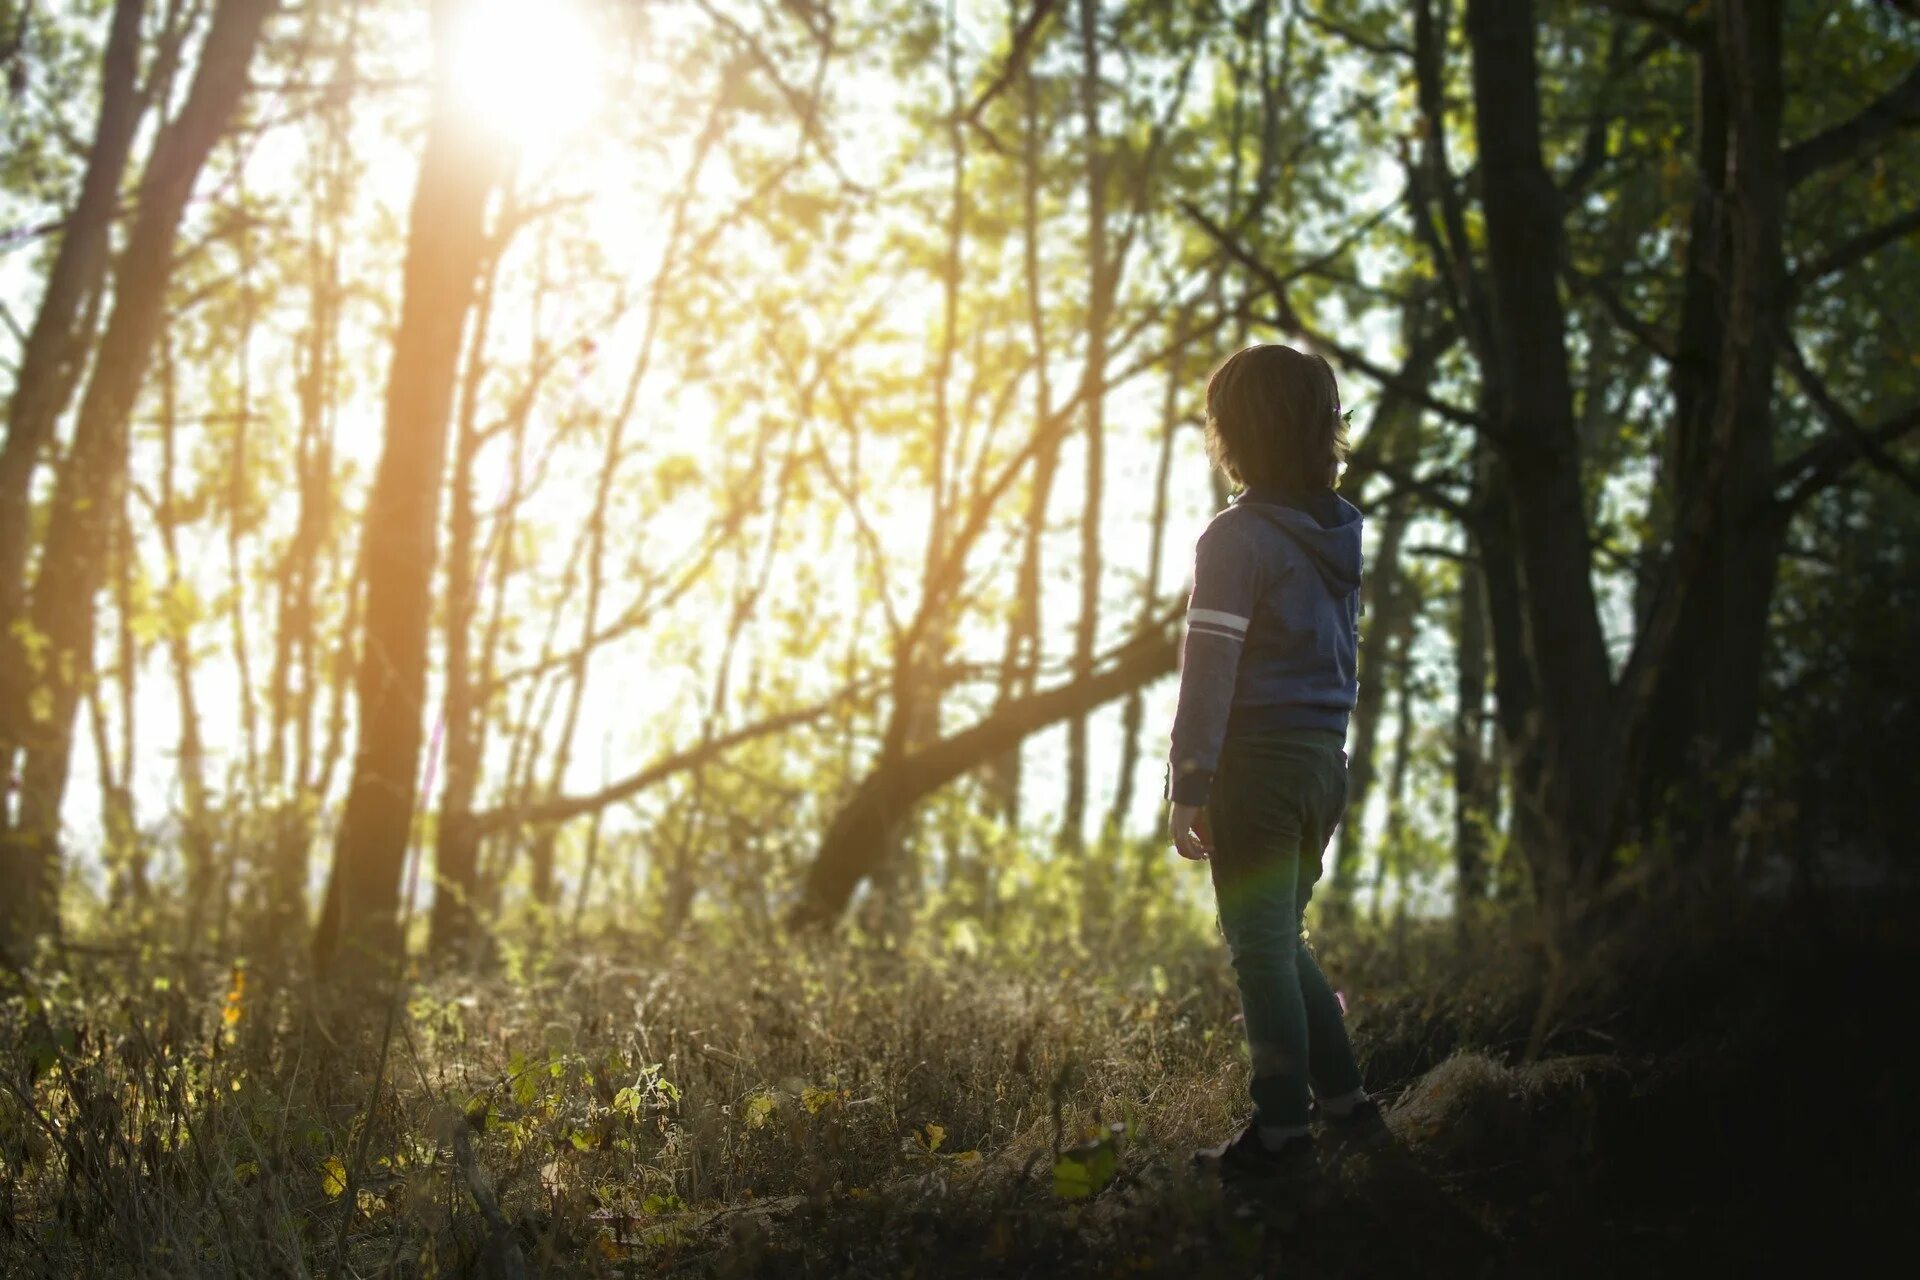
(935,1136)
(235,997)
(333,1178)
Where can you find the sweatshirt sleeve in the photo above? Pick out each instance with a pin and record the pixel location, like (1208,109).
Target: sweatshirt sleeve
(1228,577)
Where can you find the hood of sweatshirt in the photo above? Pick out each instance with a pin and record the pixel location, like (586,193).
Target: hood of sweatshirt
(1323,525)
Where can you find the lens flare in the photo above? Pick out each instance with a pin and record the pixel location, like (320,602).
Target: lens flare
(526,71)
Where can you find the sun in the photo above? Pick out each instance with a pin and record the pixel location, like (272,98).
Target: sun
(526,71)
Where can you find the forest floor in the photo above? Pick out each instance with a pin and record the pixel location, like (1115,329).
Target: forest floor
(1712,1089)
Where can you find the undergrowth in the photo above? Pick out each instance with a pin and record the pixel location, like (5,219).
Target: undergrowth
(734,1103)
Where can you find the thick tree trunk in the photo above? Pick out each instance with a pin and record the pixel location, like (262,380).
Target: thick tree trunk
(87,493)
(1705,704)
(1535,431)
(445,243)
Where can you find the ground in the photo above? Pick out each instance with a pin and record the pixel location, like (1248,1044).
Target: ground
(1711,1090)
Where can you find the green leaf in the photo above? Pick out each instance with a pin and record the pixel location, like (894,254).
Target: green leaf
(1085,1170)
(333,1178)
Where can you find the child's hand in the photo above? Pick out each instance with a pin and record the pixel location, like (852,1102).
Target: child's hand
(1187,823)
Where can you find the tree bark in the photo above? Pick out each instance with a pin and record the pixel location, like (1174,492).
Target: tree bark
(1472,804)
(1384,649)
(86,495)
(55,350)
(1705,702)
(445,245)
(1537,440)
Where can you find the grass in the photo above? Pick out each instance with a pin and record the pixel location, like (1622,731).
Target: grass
(765,1105)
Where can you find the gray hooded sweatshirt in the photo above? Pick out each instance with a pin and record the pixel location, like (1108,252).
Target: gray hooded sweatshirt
(1272,628)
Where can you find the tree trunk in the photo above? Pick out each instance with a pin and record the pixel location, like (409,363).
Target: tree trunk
(454,924)
(1383,650)
(294,681)
(1135,712)
(55,350)
(1472,807)
(1099,303)
(1705,704)
(196,828)
(1022,654)
(445,244)
(1535,431)
(86,495)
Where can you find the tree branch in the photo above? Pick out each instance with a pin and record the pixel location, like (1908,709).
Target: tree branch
(1861,246)
(1898,107)
(1290,321)
(1822,463)
(563,808)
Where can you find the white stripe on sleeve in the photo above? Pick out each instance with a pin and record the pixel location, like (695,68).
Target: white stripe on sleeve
(1231,621)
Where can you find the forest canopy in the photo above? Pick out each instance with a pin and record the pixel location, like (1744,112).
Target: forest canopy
(664,455)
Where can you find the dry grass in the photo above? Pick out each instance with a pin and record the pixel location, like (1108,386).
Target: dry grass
(742,1105)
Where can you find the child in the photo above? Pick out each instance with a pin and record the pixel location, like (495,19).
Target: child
(1258,772)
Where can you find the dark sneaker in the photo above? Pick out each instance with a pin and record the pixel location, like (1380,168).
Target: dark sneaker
(1361,1129)
(1245,1157)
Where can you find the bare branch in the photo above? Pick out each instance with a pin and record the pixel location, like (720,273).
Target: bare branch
(1821,464)
(1017,58)
(1290,321)
(1897,108)
(1855,250)
(563,808)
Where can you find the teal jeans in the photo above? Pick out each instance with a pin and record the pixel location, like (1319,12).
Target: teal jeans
(1275,800)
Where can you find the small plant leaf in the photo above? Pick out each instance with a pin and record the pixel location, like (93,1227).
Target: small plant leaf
(333,1178)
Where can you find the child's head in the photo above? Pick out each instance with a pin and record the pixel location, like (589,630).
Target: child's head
(1274,420)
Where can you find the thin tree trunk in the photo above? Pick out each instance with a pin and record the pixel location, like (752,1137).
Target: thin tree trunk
(197,840)
(1135,712)
(1383,650)
(55,351)
(1393,840)
(125,855)
(454,924)
(1022,653)
(296,675)
(1472,808)
(87,492)
(1086,627)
